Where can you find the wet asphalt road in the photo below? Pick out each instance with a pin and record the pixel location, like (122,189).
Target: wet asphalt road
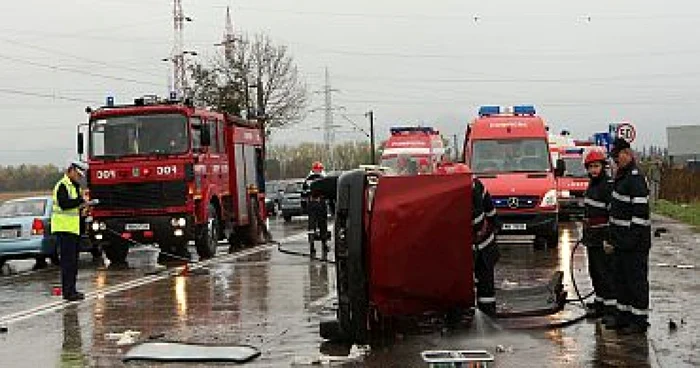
(272,300)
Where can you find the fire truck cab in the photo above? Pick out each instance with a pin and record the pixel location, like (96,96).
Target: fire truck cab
(412,151)
(572,185)
(165,172)
(507,149)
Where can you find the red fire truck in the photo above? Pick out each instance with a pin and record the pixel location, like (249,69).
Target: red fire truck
(165,172)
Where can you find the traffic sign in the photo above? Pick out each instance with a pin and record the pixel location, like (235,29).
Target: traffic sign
(627,132)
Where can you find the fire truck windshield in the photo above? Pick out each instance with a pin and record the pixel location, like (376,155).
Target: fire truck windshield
(137,135)
(574,167)
(406,164)
(510,155)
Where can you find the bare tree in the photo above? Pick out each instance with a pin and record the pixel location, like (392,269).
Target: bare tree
(258,74)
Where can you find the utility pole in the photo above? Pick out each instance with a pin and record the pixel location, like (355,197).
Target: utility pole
(370,114)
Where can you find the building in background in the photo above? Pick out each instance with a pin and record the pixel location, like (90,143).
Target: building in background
(684,145)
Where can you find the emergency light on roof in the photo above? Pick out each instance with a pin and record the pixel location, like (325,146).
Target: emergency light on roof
(515,110)
(405,130)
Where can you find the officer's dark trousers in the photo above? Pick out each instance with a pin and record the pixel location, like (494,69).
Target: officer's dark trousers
(484,267)
(68,244)
(632,278)
(601,268)
(318,218)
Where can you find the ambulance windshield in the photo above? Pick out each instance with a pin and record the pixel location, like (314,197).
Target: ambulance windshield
(136,135)
(510,155)
(406,164)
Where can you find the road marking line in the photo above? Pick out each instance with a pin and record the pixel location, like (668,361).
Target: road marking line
(58,305)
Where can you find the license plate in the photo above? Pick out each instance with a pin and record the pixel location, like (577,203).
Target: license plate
(137,227)
(8,234)
(514,227)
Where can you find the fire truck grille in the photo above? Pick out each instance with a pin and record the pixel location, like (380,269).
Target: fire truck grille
(140,195)
(515,202)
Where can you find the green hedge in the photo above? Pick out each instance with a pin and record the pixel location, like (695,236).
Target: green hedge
(686,212)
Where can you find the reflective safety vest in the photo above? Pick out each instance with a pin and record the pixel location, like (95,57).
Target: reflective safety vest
(66,221)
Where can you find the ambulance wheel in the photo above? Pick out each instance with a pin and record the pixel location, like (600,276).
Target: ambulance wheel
(208,239)
(116,252)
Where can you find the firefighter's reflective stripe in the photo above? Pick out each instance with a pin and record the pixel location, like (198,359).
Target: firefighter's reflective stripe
(67,221)
(596,204)
(485,243)
(478,219)
(609,302)
(619,222)
(640,221)
(491,213)
(622,198)
(484,300)
(597,226)
(640,200)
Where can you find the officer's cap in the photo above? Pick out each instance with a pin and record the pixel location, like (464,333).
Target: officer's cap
(79,166)
(618,145)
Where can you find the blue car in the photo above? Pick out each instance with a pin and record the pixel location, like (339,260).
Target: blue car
(25,231)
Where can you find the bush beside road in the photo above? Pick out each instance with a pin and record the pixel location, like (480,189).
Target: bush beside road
(686,212)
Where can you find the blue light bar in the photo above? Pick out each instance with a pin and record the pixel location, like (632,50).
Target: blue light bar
(489,110)
(400,130)
(524,110)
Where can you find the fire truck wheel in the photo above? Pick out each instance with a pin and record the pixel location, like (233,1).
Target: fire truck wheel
(208,239)
(116,251)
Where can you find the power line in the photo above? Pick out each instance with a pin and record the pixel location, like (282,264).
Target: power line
(77,71)
(84,59)
(43,95)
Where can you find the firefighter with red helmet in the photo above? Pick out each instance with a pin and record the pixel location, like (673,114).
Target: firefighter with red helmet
(596,235)
(316,209)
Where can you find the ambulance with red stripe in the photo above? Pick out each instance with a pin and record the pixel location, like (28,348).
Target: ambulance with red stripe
(508,150)
(412,151)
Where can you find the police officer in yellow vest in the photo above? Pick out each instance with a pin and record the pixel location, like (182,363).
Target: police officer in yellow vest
(65,224)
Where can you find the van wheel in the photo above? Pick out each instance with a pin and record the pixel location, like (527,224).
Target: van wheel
(208,239)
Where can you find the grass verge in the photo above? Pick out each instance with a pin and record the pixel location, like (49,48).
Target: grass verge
(686,212)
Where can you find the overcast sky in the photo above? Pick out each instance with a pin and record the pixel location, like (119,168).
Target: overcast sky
(431,62)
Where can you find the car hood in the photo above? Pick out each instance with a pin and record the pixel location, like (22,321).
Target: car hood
(518,183)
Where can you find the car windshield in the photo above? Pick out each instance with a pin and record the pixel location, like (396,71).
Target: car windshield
(510,155)
(297,187)
(21,208)
(575,168)
(139,135)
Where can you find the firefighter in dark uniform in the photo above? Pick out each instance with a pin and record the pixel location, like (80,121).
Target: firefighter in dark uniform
(630,230)
(317,209)
(65,224)
(596,237)
(486,252)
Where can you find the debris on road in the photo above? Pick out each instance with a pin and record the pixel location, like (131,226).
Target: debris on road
(127,337)
(3,329)
(504,349)
(672,325)
(184,352)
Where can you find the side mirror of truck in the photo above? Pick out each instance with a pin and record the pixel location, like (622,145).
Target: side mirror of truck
(81,143)
(205,137)
(560,168)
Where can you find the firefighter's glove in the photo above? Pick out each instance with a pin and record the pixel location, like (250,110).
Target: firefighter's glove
(608,248)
